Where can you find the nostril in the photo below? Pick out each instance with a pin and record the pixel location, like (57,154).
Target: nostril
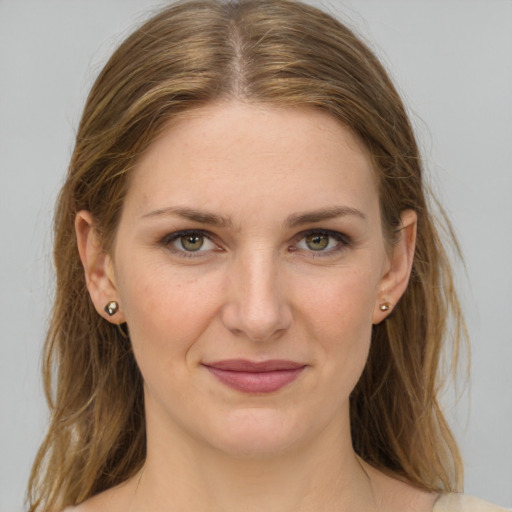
(257,323)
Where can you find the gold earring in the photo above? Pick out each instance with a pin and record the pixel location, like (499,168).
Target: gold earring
(385,306)
(112,308)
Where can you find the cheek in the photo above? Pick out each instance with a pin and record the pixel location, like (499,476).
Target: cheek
(166,312)
(344,301)
(340,318)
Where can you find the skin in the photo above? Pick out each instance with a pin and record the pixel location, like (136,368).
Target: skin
(258,288)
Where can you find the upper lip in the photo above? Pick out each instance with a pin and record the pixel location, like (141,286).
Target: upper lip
(244,365)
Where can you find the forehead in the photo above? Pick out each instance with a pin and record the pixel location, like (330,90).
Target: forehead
(234,154)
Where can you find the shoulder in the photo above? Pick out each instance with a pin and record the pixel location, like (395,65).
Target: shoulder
(460,503)
(117,498)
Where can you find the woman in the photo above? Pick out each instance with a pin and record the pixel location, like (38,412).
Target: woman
(252,296)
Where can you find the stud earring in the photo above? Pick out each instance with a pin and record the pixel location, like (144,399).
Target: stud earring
(111,308)
(385,306)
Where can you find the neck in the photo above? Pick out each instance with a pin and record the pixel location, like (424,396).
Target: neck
(324,474)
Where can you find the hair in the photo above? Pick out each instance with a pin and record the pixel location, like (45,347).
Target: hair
(276,53)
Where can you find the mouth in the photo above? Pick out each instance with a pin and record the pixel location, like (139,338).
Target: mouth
(256,377)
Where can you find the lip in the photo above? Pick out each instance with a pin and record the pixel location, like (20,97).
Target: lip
(256,377)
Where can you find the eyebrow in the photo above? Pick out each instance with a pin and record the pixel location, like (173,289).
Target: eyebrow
(297,219)
(333,212)
(200,216)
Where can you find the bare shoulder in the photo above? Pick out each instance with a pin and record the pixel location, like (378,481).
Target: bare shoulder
(95,504)
(396,495)
(460,503)
(111,500)
(402,496)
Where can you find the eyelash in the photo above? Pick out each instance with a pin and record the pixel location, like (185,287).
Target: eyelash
(342,242)
(168,241)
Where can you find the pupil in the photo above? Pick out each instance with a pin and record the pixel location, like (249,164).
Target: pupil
(317,241)
(192,242)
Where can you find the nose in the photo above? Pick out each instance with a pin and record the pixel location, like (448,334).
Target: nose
(257,306)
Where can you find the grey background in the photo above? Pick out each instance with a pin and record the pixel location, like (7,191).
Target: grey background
(452,60)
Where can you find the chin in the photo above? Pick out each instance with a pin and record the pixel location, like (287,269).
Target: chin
(258,432)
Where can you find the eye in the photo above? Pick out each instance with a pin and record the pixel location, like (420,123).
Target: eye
(322,241)
(189,242)
(317,241)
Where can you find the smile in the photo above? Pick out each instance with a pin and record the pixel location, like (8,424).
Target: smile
(256,377)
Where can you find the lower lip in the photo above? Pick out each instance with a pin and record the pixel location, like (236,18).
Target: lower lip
(256,382)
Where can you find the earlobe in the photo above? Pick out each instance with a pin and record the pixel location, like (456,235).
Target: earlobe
(98,268)
(395,281)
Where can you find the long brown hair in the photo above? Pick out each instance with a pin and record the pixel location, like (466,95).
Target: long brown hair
(276,52)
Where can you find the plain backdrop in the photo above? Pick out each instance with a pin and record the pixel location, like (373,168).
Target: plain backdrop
(452,60)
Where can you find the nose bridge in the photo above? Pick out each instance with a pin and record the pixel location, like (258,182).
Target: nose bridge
(257,304)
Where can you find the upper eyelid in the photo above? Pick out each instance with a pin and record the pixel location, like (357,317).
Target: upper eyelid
(330,232)
(182,232)
(211,236)
(320,230)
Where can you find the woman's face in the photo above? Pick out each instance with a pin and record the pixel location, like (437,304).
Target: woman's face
(249,264)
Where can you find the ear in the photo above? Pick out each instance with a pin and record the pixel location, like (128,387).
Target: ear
(98,267)
(396,278)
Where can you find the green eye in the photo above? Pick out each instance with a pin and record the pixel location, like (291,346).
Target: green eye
(317,241)
(192,242)
(189,243)
(323,243)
